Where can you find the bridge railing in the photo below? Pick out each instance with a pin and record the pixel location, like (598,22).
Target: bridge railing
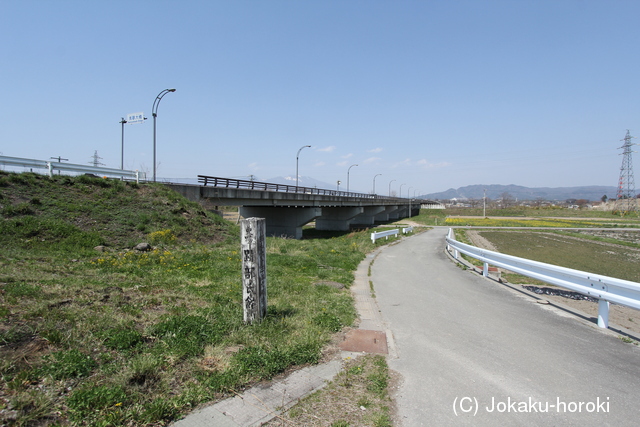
(603,288)
(69,167)
(267,186)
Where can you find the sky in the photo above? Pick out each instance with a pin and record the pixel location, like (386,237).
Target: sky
(422,96)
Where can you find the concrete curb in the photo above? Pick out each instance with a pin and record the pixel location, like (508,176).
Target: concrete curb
(262,403)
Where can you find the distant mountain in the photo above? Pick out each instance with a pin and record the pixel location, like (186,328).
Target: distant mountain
(592,192)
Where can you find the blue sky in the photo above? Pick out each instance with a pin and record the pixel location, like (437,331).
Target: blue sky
(429,94)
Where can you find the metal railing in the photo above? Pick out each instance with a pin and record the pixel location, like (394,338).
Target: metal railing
(603,288)
(267,186)
(380,234)
(70,167)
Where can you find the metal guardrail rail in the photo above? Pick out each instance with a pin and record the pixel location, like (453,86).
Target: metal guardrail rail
(69,167)
(605,289)
(380,234)
(266,186)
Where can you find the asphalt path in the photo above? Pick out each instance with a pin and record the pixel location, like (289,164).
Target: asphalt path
(472,351)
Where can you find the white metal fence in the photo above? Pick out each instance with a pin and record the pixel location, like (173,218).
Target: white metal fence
(70,167)
(377,235)
(605,289)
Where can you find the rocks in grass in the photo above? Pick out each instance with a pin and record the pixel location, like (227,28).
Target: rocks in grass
(143,247)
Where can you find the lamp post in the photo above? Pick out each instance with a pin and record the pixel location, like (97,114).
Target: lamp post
(410,200)
(154,111)
(349,170)
(374,184)
(297,157)
(390,186)
(122,122)
(400,190)
(484,204)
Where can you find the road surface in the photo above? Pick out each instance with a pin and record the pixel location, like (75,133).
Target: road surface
(474,352)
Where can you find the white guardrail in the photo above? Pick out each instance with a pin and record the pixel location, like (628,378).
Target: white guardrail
(70,167)
(605,289)
(377,235)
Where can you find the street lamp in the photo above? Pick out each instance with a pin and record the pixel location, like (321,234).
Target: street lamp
(297,157)
(400,190)
(348,170)
(390,186)
(154,111)
(374,183)
(122,122)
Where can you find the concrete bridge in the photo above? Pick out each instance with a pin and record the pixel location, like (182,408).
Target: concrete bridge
(287,208)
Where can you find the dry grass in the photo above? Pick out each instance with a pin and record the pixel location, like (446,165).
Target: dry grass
(357,397)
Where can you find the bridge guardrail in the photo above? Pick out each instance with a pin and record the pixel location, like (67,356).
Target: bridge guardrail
(604,288)
(51,166)
(267,186)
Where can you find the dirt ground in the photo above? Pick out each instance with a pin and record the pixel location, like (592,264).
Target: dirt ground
(619,316)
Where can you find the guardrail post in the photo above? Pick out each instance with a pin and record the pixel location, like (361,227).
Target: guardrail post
(485,269)
(254,268)
(50,167)
(603,314)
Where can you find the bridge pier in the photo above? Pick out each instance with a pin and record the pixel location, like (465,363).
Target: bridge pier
(402,212)
(337,218)
(282,221)
(368,217)
(390,212)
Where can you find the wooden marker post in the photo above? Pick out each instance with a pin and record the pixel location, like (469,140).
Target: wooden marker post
(254,268)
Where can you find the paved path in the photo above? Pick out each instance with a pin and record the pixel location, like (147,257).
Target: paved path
(465,343)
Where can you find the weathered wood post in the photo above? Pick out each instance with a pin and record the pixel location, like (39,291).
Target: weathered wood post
(254,268)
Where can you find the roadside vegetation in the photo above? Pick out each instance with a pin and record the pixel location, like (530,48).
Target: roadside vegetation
(357,397)
(609,257)
(95,333)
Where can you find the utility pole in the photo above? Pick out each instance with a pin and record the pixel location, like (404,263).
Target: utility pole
(59,159)
(484,204)
(626,184)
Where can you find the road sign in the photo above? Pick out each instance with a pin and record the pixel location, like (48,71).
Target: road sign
(135,118)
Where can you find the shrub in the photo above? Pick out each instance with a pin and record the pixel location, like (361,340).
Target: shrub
(162,236)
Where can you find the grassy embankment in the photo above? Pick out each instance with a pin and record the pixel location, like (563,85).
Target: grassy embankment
(122,337)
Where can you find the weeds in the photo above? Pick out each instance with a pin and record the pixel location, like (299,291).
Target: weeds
(128,338)
(358,396)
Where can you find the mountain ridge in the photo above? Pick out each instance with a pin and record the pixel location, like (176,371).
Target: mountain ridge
(495,191)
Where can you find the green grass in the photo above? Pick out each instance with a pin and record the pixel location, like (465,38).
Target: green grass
(541,212)
(122,337)
(571,251)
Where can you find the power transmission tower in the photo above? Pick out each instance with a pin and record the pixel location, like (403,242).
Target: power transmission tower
(96,160)
(626,184)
